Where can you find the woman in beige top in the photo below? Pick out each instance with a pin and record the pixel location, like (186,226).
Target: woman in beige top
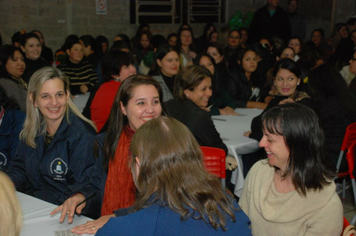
(292,192)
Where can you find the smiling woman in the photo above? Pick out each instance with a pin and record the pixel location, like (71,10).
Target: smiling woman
(295,173)
(11,74)
(54,158)
(138,100)
(192,92)
(31,46)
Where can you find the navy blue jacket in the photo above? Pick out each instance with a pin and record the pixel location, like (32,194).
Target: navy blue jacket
(60,171)
(10,128)
(161,220)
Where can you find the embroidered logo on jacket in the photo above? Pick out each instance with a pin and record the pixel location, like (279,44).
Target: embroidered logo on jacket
(59,169)
(3,160)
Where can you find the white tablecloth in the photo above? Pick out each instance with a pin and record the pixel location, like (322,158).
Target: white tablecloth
(37,220)
(231,129)
(80,100)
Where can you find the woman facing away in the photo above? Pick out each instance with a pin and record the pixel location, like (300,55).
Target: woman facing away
(292,191)
(139,100)
(10,209)
(54,158)
(177,196)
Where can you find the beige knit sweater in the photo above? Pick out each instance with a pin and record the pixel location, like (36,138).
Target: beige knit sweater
(288,214)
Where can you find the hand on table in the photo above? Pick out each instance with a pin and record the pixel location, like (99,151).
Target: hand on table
(68,207)
(91,227)
(230,163)
(228,111)
(247,133)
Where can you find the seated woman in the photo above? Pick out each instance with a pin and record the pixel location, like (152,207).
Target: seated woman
(232,49)
(11,122)
(192,91)
(11,72)
(82,76)
(335,106)
(245,86)
(139,100)
(116,67)
(177,196)
(31,46)
(10,209)
(221,103)
(297,44)
(286,78)
(166,69)
(292,192)
(54,158)
(186,46)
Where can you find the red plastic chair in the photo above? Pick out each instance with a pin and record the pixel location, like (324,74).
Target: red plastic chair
(349,138)
(214,161)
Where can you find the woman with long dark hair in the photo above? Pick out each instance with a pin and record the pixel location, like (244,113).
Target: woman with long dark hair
(292,192)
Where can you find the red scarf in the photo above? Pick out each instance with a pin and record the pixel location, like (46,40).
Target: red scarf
(119,186)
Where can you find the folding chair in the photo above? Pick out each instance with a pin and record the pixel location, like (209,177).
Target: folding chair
(349,138)
(214,161)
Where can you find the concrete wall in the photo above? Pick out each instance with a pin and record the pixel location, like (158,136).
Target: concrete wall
(58,18)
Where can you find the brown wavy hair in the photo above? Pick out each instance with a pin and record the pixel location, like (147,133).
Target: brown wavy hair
(171,170)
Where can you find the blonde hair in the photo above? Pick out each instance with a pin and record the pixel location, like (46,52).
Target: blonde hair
(10,210)
(171,165)
(34,123)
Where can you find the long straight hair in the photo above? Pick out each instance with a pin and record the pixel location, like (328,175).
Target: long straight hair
(35,124)
(117,120)
(172,170)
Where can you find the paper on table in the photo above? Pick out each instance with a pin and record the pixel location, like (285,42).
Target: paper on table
(64,233)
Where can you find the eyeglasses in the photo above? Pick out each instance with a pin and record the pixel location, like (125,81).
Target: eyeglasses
(353,59)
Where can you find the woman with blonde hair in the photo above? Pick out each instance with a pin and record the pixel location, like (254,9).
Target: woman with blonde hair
(10,210)
(54,158)
(177,195)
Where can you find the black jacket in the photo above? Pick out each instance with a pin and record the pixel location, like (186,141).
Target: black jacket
(197,120)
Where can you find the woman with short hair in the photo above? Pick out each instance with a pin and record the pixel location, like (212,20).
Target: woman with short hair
(292,191)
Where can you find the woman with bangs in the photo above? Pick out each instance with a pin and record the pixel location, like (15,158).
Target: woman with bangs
(292,192)
(177,196)
(11,72)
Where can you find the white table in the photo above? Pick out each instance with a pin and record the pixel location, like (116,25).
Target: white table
(36,218)
(80,100)
(231,129)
